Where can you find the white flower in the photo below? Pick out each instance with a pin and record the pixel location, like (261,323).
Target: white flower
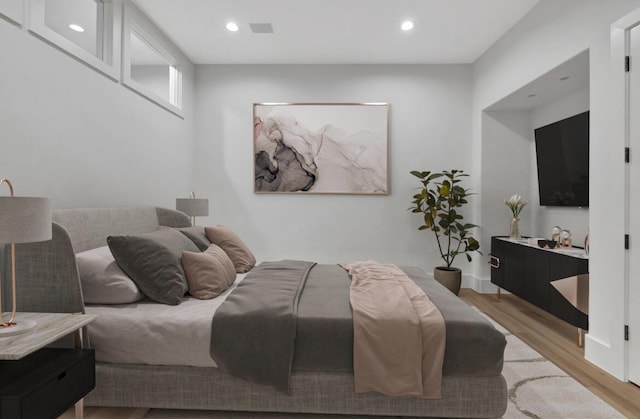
(515,204)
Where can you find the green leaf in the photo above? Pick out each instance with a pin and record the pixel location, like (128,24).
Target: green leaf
(417,174)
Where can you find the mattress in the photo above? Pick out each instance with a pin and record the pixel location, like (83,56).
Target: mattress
(150,333)
(157,334)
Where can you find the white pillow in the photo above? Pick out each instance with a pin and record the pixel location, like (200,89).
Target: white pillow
(103,282)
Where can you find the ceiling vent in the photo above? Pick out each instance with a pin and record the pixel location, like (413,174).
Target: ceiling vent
(261,27)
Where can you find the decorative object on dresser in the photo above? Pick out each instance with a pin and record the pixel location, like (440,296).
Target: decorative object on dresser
(565,240)
(439,201)
(530,272)
(547,244)
(555,233)
(586,244)
(193,207)
(22,220)
(515,203)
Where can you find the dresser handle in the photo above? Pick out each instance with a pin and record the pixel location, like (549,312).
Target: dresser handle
(492,259)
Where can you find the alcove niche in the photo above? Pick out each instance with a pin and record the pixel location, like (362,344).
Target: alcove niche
(509,154)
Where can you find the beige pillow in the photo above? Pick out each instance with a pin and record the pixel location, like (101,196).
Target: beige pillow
(238,252)
(208,273)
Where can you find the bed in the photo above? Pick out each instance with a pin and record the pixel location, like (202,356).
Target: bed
(180,375)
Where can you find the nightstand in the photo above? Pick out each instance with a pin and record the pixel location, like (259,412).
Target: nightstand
(38,382)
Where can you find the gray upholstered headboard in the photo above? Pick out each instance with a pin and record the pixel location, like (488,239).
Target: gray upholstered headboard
(88,228)
(47,274)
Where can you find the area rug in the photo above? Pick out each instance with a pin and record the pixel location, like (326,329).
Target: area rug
(537,389)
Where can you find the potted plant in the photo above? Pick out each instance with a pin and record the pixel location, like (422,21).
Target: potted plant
(438,202)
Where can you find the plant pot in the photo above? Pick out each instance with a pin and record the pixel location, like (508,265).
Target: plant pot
(451,278)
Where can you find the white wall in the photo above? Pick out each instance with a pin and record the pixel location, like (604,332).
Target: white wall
(70,133)
(507,138)
(575,220)
(429,129)
(551,33)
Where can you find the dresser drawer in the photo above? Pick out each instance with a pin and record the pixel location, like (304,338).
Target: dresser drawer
(46,383)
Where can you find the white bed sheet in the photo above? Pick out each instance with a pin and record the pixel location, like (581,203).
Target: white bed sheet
(155,334)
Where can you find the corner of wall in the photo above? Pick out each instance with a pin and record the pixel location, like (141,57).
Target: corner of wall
(479,285)
(600,354)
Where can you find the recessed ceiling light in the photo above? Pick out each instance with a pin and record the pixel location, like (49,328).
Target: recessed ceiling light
(564,78)
(76,28)
(232,27)
(407,25)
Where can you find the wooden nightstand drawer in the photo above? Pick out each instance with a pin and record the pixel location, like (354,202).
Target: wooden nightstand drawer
(46,383)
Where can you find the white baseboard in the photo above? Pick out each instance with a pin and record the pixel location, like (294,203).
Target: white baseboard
(604,356)
(479,285)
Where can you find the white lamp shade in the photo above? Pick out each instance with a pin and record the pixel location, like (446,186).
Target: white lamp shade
(24,219)
(193,207)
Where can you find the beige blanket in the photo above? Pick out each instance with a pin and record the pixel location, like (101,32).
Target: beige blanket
(399,334)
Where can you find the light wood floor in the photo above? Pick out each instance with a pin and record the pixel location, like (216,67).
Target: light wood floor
(551,337)
(556,340)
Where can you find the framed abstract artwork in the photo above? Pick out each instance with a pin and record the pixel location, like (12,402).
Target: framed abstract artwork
(325,148)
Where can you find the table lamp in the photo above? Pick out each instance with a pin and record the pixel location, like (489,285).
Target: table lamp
(193,207)
(22,220)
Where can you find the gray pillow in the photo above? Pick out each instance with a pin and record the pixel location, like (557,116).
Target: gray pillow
(103,282)
(197,236)
(153,261)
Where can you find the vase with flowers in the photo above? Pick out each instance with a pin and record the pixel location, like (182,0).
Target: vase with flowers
(515,203)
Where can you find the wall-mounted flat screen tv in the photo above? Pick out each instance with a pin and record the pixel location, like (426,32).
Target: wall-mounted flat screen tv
(562,153)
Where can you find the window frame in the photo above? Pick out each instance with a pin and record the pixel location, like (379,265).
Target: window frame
(136,22)
(109,64)
(13,16)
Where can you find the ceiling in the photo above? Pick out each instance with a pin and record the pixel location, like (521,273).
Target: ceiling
(335,31)
(568,77)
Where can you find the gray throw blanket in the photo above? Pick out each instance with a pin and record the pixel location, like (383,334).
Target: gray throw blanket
(263,309)
(323,331)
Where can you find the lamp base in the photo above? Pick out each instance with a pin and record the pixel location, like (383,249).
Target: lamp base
(22,326)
